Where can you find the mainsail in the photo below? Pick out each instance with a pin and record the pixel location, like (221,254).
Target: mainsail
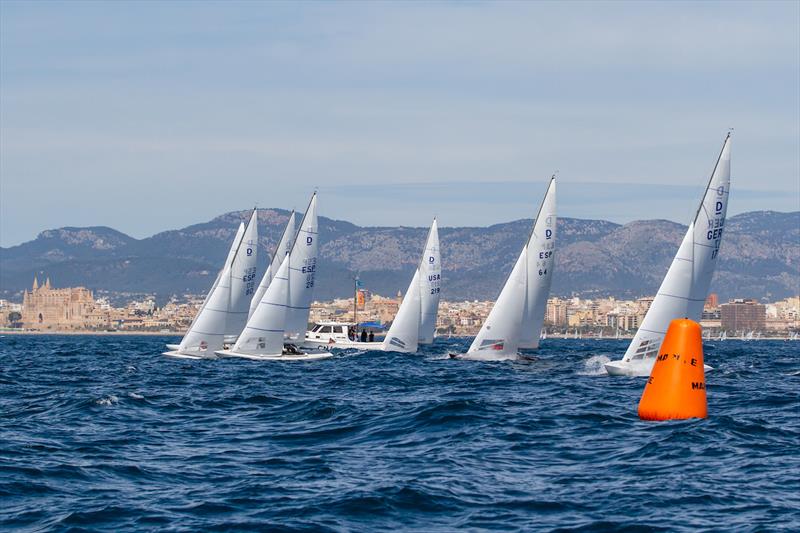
(515,320)
(302,270)
(243,278)
(430,279)
(541,258)
(283,249)
(685,287)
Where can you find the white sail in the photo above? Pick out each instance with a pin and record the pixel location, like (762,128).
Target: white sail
(403,334)
(541,257)
(263,334)
(283,249)
(243,278)
(685,287)
(500,334)
(430,278)
(232,250)
(211,319)
(302,269)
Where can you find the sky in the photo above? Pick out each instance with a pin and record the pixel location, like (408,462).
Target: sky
(149,116)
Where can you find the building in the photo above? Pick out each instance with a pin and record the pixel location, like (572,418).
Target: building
(556,312)
(47,308)
(743,315)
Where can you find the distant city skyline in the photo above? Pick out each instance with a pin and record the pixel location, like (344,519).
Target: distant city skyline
(149,116)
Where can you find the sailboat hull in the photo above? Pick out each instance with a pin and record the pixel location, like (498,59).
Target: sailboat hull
(477,356)
(177,355)
(173,347)
(310,356)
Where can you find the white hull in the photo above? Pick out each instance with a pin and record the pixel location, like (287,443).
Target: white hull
(313,356)
(636,369)
(489,357)
(173,347)
(178,355)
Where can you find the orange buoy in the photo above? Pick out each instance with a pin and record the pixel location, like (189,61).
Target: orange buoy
(676,388)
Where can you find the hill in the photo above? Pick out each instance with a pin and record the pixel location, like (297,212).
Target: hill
(760,257)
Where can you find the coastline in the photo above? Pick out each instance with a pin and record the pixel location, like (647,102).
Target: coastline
(96,333)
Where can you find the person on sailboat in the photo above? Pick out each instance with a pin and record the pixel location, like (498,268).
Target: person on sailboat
(363,335)
(371,336)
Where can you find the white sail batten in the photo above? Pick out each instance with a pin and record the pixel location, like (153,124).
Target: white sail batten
(685,287)
(500,334)
(302,270)
(283,249)
(263,334)
(540,263)
(243,277)
(430,278)
(403,335)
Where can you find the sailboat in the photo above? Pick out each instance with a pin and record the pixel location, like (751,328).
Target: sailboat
(685,287)
(273,324)
(518,314)
(415,322)
(284,247)
(224,311)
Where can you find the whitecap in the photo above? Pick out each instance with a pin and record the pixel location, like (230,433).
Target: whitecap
(108,400)
(595,366)
(136,396)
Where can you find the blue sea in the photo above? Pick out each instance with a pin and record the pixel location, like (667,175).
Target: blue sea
(106,434)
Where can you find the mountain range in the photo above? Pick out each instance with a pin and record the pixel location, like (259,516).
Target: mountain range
(760,257)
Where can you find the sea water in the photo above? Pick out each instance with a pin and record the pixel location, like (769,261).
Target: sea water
(106,434)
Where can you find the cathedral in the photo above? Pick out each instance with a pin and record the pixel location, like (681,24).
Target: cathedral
(47,308)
